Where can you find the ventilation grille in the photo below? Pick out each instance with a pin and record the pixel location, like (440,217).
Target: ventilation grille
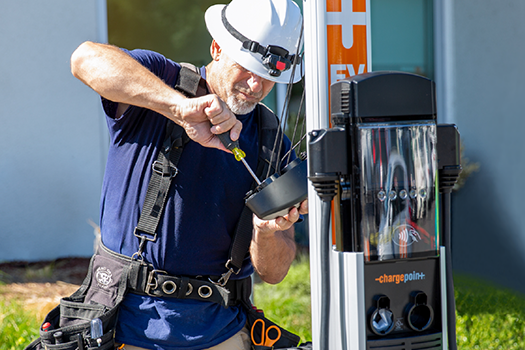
(424,342)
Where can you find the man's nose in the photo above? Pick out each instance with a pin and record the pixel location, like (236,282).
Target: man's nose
(255,82)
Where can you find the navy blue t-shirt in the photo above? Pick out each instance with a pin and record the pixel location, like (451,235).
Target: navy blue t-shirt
(203,206)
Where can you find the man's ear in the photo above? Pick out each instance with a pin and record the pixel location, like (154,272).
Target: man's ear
(215,50)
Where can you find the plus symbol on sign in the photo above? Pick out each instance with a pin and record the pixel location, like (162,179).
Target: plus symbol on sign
(347,19)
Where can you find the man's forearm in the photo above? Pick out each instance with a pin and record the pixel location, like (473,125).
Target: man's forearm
(272,254)
(118,77)
(273,244)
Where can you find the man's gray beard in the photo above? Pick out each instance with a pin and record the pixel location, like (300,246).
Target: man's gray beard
(238,106)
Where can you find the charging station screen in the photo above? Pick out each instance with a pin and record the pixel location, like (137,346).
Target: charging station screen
(398,173)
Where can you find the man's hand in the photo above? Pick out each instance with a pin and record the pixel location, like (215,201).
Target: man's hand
(205,117)
(273,246)
(281,223)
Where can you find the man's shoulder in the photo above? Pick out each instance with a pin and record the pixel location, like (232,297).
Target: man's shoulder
(267,118)
(157,63)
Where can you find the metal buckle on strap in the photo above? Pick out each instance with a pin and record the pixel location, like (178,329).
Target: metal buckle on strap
(148,238)
(143,239)
(152,282)
(223,280)
(159,169)
(225,277)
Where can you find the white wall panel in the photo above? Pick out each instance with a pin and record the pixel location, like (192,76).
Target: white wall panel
(53,138)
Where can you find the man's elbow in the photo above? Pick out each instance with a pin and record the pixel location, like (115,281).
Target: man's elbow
(78,58)
(274,278)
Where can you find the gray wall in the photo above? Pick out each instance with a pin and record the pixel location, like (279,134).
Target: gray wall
(482,69)
(53,139)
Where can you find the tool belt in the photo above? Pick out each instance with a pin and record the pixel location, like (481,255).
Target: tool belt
(144,279)
(110,277)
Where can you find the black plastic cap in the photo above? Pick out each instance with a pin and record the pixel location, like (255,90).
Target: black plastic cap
(327,152)
(384,96)
(448,146)
(449,156)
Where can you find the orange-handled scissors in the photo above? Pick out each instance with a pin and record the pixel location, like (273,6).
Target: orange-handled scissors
(266,340)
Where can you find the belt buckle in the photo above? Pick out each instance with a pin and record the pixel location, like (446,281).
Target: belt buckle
(152,282)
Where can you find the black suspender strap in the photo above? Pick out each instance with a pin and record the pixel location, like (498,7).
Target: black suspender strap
(190,82)
(164,169)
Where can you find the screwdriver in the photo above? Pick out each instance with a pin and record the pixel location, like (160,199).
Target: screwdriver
(239,154)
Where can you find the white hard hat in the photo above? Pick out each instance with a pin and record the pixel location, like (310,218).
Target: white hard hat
(260,35)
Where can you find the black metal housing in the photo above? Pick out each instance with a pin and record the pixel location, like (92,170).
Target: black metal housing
(383,96)
(278,194)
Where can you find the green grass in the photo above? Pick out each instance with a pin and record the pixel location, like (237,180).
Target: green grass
(487,317)
(18,327)
(288,303)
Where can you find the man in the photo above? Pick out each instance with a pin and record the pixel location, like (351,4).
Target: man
(205,199)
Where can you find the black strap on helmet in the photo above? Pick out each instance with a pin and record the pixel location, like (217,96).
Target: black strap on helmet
(275,59)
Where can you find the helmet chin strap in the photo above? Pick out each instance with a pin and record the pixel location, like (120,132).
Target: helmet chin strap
(274,58)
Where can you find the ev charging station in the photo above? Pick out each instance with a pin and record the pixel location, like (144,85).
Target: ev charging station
(381,175)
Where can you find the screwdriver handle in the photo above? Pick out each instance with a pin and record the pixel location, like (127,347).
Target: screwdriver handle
(239,154)
(227,141)
(232,145)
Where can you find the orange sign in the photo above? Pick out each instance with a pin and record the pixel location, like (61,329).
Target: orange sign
(347,41)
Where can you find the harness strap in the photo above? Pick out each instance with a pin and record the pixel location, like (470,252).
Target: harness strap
(268,128)
(190,82)
(164,169)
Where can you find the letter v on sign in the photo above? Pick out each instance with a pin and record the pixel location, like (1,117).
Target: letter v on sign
(348,38)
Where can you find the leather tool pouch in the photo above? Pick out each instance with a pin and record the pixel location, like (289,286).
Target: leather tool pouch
(67,327)
(70,327)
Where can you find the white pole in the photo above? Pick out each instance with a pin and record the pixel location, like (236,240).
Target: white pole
(102,18)
(444,58)
(347,296)
(316,86)
(280,100)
